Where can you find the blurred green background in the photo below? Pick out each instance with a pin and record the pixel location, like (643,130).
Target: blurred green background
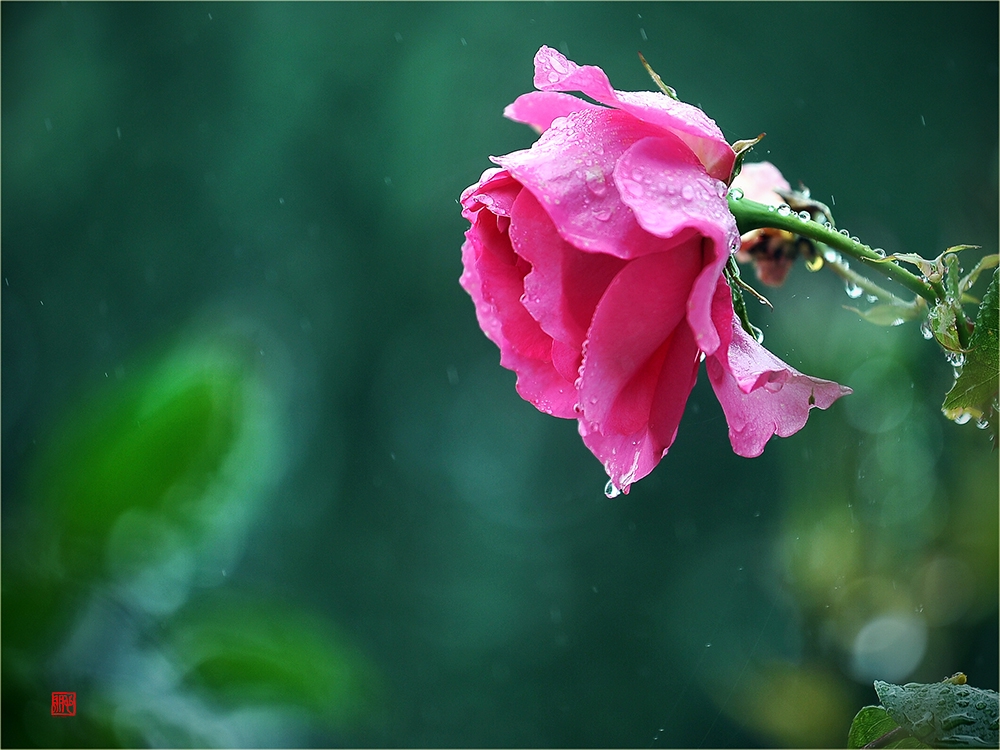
(265,483)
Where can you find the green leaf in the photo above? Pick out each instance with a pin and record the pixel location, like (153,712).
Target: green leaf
(974,393)
(247,651)
(943,714)
(893,313)
(150,444)
(985,263)
(872,723)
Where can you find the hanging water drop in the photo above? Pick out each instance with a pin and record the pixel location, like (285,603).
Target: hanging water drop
(955,359)
(757,334)
(611,491)
(852,289)
(925,330)
(982,423)
(962,418)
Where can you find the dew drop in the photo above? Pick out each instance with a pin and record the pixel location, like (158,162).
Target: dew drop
(735,193)
(879,252)
(982,423)
(557,65)
(784,209)
(855,239)
(804,215)
(610,491)
(553,77)
(602,214)
(770,208)
(897,322)
(925,330)
(844,232)
(955,359)
(852,289)
(637,174)
(757,334)
(687,192)
(962,418)
(827,225)
(871,298)
(596,184)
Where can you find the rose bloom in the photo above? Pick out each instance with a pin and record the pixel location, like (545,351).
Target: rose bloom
(595,261)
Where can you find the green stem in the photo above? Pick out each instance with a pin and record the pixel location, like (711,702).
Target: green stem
(752,215)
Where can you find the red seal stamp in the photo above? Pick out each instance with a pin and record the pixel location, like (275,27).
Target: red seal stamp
(64,704)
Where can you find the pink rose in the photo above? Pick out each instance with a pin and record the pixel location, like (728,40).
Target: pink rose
(595,260)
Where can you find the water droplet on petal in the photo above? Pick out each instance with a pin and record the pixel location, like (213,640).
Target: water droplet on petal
(556,64)
(687,192)
(553,77)
(602,214)
(610,491)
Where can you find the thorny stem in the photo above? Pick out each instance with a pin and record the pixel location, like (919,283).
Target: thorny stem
(752,215)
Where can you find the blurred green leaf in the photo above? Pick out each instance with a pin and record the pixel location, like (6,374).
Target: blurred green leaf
(975,391)
(251,651)
(153,444)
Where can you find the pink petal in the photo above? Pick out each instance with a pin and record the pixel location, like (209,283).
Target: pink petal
(672,196)
(761,395)
(496,191)
(570,170)
(565,284)
(553,72)
(671,372)
(640,364)
(758,182)
(494,278)
(539,108)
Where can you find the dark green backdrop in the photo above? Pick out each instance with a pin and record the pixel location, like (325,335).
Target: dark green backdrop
(264,481)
